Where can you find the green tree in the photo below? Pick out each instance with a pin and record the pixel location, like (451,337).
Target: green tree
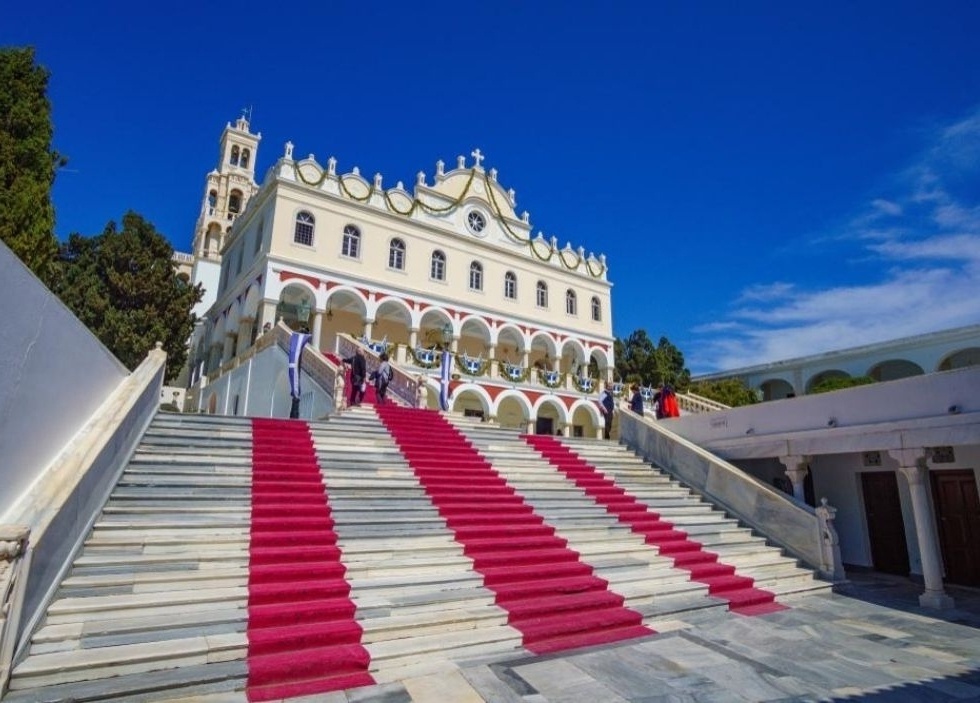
(730,391)
(634,358)
(639,361)
(836,383)
(27,164)
(123,285)
(669,364)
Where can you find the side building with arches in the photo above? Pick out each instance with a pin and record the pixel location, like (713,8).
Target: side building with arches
(449,263)
(945,350)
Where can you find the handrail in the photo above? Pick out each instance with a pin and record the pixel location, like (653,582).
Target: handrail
(15,561)
(806,533)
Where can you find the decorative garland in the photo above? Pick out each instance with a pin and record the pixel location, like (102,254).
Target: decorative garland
(584,385)
(436,358)
(417,203)
(558,376)
(519,378)
(481,370)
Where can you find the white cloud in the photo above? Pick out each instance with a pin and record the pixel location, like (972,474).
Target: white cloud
(886,207)
(922,240)
(764,292)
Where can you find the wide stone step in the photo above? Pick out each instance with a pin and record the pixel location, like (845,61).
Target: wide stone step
(197,683)
(103,662)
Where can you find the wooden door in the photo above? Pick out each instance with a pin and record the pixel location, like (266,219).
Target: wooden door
(958,514)
(886,528)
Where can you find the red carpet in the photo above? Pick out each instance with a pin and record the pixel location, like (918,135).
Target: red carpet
(550,595)
(739,591)
(302,635)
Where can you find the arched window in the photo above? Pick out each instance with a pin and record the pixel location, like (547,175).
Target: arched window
(596,310)
(235,202)
(437,268)
(303,233)
(571,305)
(245,157)
(212,201)
(352,242)
(510,285)
(234,156)
(396,255)
(476,276)
(542,294)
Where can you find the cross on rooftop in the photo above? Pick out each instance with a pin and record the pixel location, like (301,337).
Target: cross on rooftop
(477,156)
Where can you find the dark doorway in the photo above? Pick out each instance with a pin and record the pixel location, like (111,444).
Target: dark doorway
(544,425)
(886,529)
(958,514)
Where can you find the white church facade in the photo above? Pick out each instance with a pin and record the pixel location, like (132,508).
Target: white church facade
(446,262)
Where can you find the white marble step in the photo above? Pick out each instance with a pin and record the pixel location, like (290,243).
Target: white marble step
(101,662)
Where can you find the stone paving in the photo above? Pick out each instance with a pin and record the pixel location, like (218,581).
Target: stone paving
(870,641)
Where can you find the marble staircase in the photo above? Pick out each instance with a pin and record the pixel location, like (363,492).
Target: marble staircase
(155,606)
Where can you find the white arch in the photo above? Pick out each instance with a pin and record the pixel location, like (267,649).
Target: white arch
(471,389)
(507,334)
(549,400)
(514,394)
(589,406)
(344,291)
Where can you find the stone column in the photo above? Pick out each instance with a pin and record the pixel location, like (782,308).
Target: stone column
(797,467)
(493,371)
(368,329)
(912,465)
(316,328)
(413,337)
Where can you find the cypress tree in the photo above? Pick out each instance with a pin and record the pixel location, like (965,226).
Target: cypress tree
(27,163)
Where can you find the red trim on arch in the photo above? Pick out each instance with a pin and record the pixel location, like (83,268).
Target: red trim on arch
(287,275)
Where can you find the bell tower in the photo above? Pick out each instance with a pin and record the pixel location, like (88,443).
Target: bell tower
(227,189)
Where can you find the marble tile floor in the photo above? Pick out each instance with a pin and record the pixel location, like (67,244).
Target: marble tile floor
(869,642)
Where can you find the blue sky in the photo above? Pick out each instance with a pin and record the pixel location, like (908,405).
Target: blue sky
(766,179)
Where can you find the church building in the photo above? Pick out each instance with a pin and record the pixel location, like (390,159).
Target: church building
(446,262)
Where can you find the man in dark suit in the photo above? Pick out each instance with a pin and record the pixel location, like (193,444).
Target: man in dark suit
(358,375)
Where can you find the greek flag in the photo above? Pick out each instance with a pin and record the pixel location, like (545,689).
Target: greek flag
(297,341)
(444,381)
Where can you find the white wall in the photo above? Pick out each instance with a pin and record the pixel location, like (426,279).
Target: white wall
(909,399)
(54,374)
(262,388)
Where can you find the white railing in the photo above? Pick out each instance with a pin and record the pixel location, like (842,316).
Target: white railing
(14,564)
(804,532)
(693,403)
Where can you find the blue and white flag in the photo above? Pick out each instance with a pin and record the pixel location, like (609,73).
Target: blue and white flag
(444,381)
(297,340)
